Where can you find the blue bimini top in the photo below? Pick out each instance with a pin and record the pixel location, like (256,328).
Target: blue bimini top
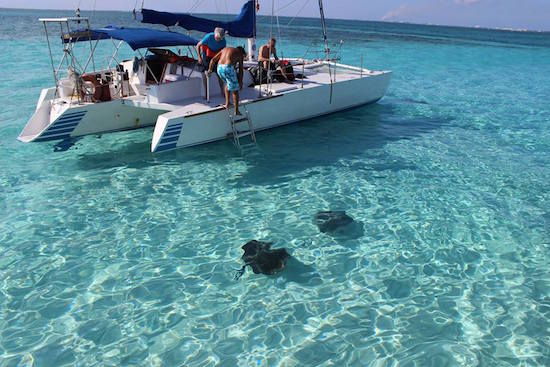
(136,38)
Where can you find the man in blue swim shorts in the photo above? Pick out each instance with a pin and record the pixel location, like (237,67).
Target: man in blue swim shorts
(228,60)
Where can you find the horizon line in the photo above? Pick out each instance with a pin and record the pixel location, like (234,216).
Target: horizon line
(507,29)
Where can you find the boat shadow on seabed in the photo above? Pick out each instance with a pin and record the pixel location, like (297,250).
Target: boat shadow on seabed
(316,143)
(326,141)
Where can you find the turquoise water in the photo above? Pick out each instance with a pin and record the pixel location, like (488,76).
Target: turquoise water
(114,256)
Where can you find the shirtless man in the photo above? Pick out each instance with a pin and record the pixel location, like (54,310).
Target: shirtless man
(228,59)
(264,56)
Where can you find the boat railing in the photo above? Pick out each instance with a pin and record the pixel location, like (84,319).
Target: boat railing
(72,31)
(68,59)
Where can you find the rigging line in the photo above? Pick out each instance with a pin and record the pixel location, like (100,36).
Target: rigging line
(134,10)
(196,5)
(299,11)
(331,83)
(287,5)
(93,10)
(193,6)
(270,36)
(308,48)
(327,50)
(278,31)
(272,13)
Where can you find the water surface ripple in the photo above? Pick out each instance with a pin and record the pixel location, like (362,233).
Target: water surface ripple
(114,256)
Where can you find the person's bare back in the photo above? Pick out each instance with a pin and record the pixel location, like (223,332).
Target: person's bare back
(230,56)
(229,60)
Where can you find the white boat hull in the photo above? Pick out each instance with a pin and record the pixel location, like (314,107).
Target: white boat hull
(178,128)
(192,120)
(79,120)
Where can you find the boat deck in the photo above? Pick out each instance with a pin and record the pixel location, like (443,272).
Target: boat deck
(315,77)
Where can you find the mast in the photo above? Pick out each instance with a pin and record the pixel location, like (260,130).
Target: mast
(252,40)
(327,50)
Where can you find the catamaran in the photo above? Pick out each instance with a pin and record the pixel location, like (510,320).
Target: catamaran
(161,88)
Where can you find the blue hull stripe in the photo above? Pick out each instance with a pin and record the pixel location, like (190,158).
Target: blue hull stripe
(169,139)
(72,118)
(62,127)
(60,131)
(175,127)
(171,133)
(66,126)
(166,147)
(178,124)
(177,131)
(68,121)
(73,114)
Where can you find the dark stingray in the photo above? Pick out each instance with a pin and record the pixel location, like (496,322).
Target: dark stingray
(259,256)
(337,223)
(331,221)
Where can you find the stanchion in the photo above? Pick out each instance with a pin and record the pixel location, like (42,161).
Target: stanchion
(207,86)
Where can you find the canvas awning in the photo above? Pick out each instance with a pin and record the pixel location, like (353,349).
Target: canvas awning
(136,38)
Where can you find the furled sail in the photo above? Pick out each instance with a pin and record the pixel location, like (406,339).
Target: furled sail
(242,26)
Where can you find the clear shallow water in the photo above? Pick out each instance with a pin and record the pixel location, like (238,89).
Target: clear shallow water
(115,256)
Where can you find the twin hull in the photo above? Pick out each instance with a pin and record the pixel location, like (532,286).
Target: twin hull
(182,128)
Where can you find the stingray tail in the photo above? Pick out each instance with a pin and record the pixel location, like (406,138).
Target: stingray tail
(240,272)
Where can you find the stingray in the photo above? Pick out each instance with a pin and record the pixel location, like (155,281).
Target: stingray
(332,221)
(259,256)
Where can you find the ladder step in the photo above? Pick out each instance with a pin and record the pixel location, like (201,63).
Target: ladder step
(237,135)
(241,119)
(243,134)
